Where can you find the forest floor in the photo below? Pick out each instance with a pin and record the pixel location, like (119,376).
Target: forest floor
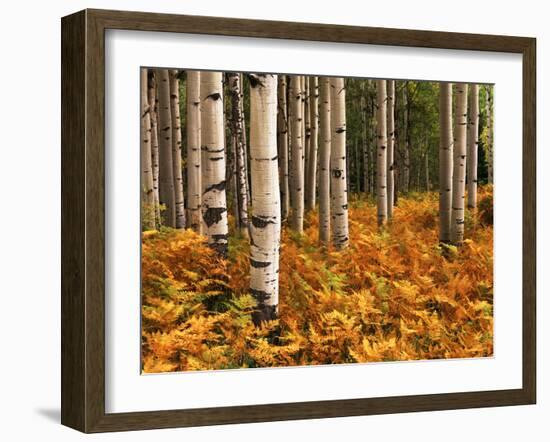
(393,295)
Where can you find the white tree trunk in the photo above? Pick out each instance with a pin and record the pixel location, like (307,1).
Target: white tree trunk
(391,145)
(266,207)
(152,99)
(473,141)
(382,158)
(489,150)
(147,194)
(282,140)
(214,207)
(311,188)
(446,147)
(176,148)
(406,145)
(324,161)
(338,182)
(459,163)
(166,167)
(194,186)
(297,215)
(237,119)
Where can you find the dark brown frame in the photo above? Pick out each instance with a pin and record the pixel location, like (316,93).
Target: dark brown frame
(83,215)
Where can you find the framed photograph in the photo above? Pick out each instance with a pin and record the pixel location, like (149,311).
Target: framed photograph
(266,221)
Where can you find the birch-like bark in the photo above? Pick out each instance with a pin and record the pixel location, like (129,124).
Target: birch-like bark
(245,142)
(237,125)
(176,148)
(166,167)
(489,152)
(324,161)
(307,145)
(459,163)
(311,188)
(153,105)
(338,182)
(446,147)
(382,157)
(214,206)
(194,187)
(266,206)
(282,143)
(297,215)
(473,141)
(147,195)
(391,145)
(406,140)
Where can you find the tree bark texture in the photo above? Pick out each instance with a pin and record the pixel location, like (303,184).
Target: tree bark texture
(338,182)
(311,188)
(167,195)
(391,145)
(266,208)
(382,157)
(194,186)
(446,147)
(459,163)
(153,105)
(282,143)
(147,194)
(324,161)
(237,124)
(297,215)
(176,148)
(473,142)
(214,206)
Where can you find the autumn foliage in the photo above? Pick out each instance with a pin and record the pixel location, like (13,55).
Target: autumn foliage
(392,295)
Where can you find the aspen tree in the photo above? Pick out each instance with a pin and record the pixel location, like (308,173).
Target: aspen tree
(237,120)
(382,158)
(176,148)
(214,207)
(473,141)
(266,207)
(446,147)
(313,142)
(147,195)
(193,102)
(338,182)
(282,140)
(406,140)
(152,100)
(489,149)
(324,161)
(297,152)
(166,166)
(391,145)
(459,163)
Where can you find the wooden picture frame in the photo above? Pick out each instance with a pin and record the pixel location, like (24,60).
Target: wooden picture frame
(83,220)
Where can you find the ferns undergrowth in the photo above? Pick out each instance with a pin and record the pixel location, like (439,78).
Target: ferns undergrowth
(392,295)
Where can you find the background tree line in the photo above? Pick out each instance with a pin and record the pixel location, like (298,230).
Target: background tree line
(269,149)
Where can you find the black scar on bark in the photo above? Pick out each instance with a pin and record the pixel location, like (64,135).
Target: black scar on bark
(340,130)
(264,312)
(213,215)
(216,158)
(261,222)
(219,237)
(336,173)
(215,96)
(255,80)
(219,187)
(259,264)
